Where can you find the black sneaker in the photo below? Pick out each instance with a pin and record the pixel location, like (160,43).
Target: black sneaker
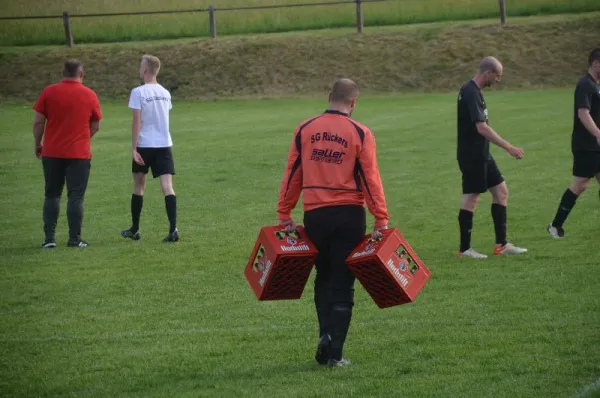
(341,363)
(77,243)
(128,233)
(322,355)
(172,237)
(49,244)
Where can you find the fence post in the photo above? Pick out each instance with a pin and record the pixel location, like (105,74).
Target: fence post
(502,4)
(212,21)
(67,24)
(359,17)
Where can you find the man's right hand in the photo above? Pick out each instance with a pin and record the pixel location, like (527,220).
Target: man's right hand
(289,225)
(138,158)
(516,152)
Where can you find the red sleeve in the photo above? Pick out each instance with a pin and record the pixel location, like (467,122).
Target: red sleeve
(96,112)
(291,185)
(40,104)
(371,180)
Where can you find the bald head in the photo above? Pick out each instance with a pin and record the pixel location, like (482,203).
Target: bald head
(490,64)
(489,72)
(344,91)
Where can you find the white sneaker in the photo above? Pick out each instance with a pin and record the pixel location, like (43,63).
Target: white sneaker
(556,233)
(508,249)
(470,253)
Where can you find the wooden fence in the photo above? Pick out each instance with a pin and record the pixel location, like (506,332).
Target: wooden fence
(212,14)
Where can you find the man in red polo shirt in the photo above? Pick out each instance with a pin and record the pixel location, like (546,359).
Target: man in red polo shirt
(67,117)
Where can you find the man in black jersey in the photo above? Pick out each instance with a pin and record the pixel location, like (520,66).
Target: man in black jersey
(479,170)
(585,142)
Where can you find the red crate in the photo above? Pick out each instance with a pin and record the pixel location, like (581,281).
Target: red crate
(389,269)
(280,263)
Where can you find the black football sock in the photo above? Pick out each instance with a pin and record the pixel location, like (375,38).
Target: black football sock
(137,202)
(465,221)
(566,205)
(171,206)
(499,216)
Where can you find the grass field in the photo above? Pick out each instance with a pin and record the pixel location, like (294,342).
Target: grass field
(149,27)
(548,51)
(126,318)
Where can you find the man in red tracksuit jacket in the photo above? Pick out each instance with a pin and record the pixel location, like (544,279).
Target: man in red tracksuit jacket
(332,161)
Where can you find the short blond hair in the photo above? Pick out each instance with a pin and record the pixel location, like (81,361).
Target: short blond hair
(152,64)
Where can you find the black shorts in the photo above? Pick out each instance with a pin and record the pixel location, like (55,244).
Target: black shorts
(479,175)
(57,171)
(586,164)
(160,160)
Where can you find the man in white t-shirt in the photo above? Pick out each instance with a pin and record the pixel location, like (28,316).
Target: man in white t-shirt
(151,146)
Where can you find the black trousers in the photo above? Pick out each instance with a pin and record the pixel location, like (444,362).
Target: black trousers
(335,231)
(57,171)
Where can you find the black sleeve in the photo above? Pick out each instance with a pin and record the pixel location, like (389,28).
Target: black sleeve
(476,107)
(583,95)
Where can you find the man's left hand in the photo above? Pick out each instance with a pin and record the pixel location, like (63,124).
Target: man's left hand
(377,234)
(38,151)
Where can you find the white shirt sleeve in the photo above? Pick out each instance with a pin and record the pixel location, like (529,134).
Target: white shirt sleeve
(135,100)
